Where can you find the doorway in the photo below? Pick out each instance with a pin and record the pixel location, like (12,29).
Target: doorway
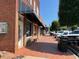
(20,32)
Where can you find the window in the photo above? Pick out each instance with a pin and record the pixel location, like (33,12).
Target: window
(75,32)
(29,28)
(35,29)
(34,6)
(31,2)
(37,11)
(20,27)
(3,27)
(20,5)
(65,33)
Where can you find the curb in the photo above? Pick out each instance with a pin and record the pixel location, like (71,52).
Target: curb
(76,57)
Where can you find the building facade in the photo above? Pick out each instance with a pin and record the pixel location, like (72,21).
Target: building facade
(19,22)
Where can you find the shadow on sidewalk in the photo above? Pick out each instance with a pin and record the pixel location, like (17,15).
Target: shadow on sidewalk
(50,48)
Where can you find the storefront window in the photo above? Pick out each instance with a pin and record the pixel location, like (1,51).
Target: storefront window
(29,28)
(20,28)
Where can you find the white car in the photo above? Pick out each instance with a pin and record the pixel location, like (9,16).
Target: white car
(59,33)
(72,34)
(62,33)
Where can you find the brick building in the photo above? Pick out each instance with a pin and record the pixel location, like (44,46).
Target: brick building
(19,22)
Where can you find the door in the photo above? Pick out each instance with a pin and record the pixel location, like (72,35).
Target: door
(20,32)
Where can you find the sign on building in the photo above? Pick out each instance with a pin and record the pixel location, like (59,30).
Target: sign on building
(3,27)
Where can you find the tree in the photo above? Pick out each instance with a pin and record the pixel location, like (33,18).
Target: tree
(69,12)
(55,26)
(74,27)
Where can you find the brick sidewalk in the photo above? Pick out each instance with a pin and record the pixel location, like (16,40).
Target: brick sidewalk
(31,57)
(46,47)
(6,55)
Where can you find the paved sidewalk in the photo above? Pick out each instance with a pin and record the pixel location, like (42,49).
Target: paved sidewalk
(45,47)
(6,55)
(31,57)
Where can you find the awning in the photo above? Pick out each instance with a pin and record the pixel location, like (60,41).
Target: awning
(27,11)
(32,17)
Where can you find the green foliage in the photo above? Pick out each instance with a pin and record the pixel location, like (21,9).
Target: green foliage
(63,28)
(74,27)
(69,12)
(55,26)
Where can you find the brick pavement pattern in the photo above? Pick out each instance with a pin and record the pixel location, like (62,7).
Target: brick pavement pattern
(46,47)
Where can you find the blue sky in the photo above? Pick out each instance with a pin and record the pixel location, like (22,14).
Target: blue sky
(49,10)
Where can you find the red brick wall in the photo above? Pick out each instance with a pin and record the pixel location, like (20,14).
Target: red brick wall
(38,4)
(8,14)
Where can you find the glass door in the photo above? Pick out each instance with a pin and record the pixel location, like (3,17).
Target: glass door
(20,33)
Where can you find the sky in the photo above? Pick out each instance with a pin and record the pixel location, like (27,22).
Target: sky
(49,10)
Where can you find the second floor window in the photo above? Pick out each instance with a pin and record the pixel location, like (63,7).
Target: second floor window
(34,6)
(37,11)
(31,2)
(20,5)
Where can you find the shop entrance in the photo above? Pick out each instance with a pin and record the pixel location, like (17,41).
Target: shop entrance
(20,32)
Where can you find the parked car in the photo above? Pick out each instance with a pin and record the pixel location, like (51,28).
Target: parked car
(69,41)
(63,33)
(52,33)
(59,33)
(71,34)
